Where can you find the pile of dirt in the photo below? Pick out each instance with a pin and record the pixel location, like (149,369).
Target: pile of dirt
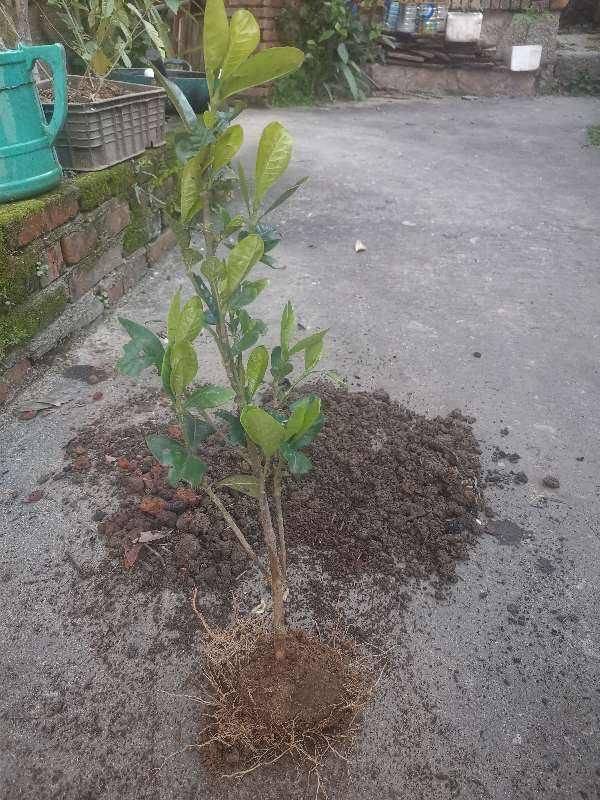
(392,493)
(87,90)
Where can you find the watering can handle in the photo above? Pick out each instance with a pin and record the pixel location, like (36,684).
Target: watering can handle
(54,56)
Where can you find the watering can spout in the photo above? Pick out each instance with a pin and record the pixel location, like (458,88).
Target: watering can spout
(28,162)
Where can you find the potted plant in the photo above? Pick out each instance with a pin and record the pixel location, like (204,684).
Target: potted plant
(107,121)
(260,412)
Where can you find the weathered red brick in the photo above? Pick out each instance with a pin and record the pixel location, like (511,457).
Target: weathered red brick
(112,288)
(163,244)
(33,227)
(54,262)
(61,212)
(133,269)
(10,379)
(116,217)
(78,244)
(89,272)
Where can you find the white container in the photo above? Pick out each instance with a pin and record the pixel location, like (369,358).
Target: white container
(464,26)
(525,57)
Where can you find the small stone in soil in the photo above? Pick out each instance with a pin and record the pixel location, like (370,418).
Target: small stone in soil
(35,496)
(476,354)
(520,477)
(551,482)
(29,414)
(504,431)
(579,458)
(98,516)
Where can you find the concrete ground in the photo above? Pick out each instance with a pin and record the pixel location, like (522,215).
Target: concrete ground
(482,226)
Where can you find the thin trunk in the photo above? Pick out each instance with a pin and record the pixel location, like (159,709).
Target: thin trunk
(279,626)
(280,522)
(244,543)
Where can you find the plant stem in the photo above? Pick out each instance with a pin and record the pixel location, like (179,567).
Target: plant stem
(234,527)
(280,522)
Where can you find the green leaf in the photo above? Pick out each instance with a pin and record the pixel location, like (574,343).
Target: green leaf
(236,435)
(210,396)
(144,350)
(272,158)
(264,431)
(285,196)
(190,192)
(298,463)
(246,484)
(241,259)
(288,326)
(215,37)
(305,438)
(234,224)
(258,361)
(227,146)
(304,414)
(248,339)
(191,320)
(188,145)
(343,52)
(247,292)
(178,99)
(312,354)
(213,268)
(244,36)
(166,451)
(195,430)
(280,367)
(351,81)
(184,366)
(275,62)
(191,469)
(173,317)
(308,341)
(165,372)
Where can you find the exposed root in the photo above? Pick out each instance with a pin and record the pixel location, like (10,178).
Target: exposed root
(306,708)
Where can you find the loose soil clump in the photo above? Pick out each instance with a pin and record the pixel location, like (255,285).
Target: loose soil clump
(392,494)
(262,710)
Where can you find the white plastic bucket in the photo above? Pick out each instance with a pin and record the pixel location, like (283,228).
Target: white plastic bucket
(464,26)
(525,57)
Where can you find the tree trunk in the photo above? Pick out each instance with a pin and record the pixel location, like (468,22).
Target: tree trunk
(279,626)
(22,20)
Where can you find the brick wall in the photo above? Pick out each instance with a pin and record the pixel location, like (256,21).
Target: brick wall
(68,255)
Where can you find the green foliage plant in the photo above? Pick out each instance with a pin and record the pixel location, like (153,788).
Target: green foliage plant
(271,439)
(339,39)
(102,32)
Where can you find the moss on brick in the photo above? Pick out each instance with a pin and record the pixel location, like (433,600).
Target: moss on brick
(18,276)
(21,324)
(593,135)
(137,233)
(97,187)
(14,215)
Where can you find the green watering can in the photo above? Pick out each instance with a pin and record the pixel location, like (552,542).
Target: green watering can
(28,163)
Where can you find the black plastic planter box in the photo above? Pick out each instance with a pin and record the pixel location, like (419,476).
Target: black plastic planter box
(105,132)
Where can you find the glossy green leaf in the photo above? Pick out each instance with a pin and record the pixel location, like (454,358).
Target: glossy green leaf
(351,81)
(234,224)
(247,292)
(190,144)
(298,463)
(258,361)
(305,438)
(145,349)
(343,52)
(227,146)
(244,188)
(244,36)
(166,451)
(191,189)
(272,158)
(184,366)
(183,465)
(264,431)
(280,367)
(173,316)
(210,396)
(304,414)
(308,341)
(285,196)
(275,62)
(312,354)
(195,430)
(236,435)
(178,99)
(241,259)
(165,372)
(288,326)
(213,268)
(246,484)
(191,320)
(215,36)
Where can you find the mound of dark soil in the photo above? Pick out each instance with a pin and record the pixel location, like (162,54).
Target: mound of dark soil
(392,493)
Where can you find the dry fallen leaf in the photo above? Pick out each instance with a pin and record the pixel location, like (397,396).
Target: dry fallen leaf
(130,555)
(97,396)
(359,246)
(35,496)
(150,536)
